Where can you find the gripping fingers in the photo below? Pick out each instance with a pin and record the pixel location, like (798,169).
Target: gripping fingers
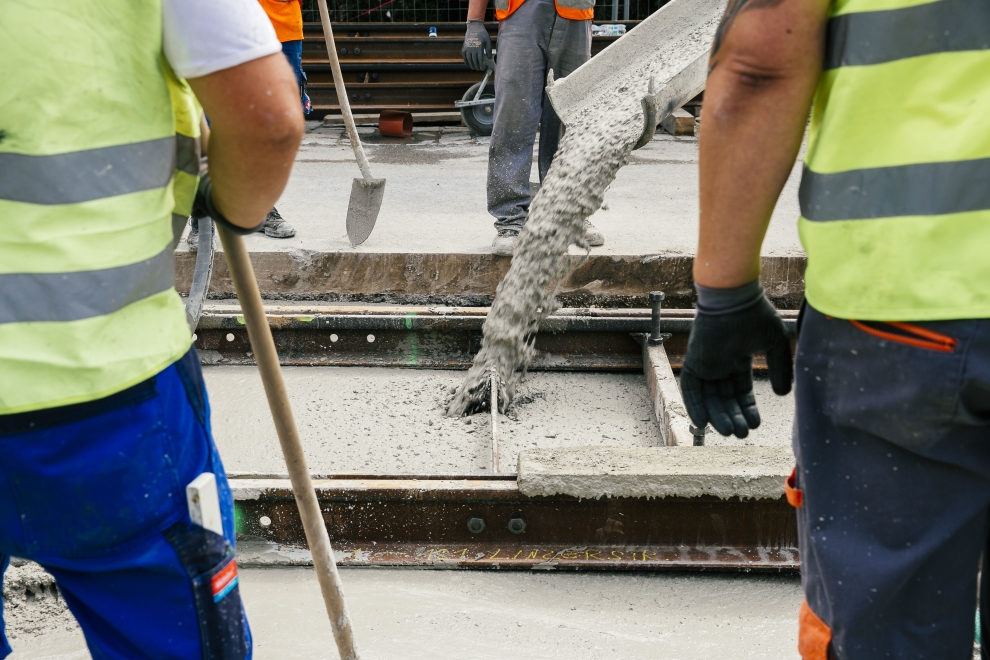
(743,385)
(727,393)
(694,398)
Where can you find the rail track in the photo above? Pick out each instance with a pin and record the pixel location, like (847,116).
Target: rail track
(485,520)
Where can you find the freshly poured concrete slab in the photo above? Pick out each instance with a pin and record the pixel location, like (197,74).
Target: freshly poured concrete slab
(359,420)
(375,420)
(594,472)
(459,614)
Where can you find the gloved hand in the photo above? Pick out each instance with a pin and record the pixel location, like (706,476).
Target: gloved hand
(477,46)
(717,377)
(203,207)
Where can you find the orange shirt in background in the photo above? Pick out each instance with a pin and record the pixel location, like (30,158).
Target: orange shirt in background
(286,17)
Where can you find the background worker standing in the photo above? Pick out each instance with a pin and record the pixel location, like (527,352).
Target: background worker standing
(104,418)
(534,36)
(286,18)
(892,426)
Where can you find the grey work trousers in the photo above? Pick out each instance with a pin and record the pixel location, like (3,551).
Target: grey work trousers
(531,41)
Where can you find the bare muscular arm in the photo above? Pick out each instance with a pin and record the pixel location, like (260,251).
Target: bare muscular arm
(766,59)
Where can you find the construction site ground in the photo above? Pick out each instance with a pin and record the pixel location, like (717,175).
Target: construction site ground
(378,420)
(432,241)
(435,197)
(420,615)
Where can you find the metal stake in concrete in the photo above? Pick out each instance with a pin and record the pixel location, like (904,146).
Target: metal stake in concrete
(493,386)
(260,335)
(656,303)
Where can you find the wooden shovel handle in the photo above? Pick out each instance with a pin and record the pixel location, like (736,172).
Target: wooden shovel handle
(260,335)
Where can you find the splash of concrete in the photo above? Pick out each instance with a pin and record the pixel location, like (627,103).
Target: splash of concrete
(599,138)
(588,158)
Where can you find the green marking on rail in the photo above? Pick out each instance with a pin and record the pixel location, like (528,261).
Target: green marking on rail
(238,519)
(409,320)
(306,319)
(240,320)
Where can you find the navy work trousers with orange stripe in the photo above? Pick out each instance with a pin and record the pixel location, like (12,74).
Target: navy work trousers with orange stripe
(892,439)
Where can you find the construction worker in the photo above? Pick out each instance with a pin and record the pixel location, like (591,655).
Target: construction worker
(286,18)
(892,422)
(104,418)
(534,36)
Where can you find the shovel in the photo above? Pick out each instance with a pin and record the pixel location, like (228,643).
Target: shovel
(317,538)
(366,192)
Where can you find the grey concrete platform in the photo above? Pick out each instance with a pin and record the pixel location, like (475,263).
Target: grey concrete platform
(434,234)
(359,420)
(458,614)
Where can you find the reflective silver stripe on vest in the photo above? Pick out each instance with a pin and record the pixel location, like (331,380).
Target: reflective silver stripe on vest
(888,192)
(41,297)
(876,37)
(82,176)
(187,154)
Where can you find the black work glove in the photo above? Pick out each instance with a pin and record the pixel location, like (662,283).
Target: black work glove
(477,48)
(717,377)
(203,207)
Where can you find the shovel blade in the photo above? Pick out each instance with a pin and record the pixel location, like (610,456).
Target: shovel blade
(363,208)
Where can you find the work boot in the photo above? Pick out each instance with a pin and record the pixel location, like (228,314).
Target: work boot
(192,240)
(276,227)
(505,243)
(592,236)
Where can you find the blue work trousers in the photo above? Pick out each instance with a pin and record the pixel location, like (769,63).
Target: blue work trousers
(293,52)
(892,438)
(531,41)
(95,493)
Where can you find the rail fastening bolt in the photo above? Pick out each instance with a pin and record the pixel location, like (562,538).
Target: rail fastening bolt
(517,525)
(656,304)
(476,525)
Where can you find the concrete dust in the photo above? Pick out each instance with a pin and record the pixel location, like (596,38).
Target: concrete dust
(496,615)
(399,613)
(381,420)
(32,605)
(596,144)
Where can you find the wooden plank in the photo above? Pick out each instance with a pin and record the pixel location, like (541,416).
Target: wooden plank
(679,122)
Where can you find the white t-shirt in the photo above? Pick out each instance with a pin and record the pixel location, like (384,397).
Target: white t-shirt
(204,36)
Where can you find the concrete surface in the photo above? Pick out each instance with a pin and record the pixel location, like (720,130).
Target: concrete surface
(595,472)
(375,420)
(435,198)
(487,615)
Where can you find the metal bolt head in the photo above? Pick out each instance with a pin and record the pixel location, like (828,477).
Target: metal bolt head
(357,50)
(265,521)
(476,525)
(517,525)
(343,51)
(656,296)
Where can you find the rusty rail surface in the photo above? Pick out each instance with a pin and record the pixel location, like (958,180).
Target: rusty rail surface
(407,520)
(440,337)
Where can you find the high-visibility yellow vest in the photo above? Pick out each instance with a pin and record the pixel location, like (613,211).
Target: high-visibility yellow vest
(187,144)
(575,10)
(87,152)
(895,197)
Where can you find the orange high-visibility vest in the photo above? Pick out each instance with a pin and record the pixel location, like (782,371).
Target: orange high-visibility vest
(575,10)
